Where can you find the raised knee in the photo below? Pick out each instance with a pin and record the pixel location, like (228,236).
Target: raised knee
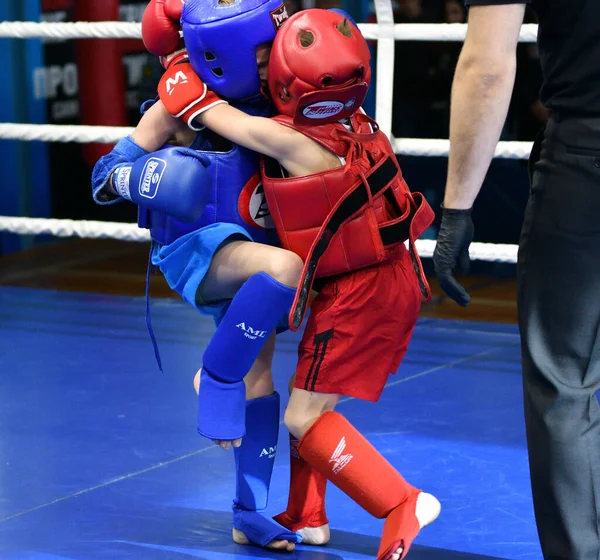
(286,269)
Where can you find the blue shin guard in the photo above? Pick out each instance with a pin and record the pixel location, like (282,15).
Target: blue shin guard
(255,458)
(254,461)
(252,316)
(221,408)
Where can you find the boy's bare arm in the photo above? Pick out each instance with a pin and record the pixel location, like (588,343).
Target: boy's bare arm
(255,133)
(189,100)
(157,128)
(297,153)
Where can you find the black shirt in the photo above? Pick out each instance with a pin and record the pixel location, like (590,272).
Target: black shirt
(569,43)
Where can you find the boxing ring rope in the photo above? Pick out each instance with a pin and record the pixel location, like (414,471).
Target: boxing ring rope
(492,252)
(386,33)
(128,30)
(112,134)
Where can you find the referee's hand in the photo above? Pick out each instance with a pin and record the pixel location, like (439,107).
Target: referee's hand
(452,250)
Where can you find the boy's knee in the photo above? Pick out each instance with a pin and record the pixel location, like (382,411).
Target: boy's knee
(286,269)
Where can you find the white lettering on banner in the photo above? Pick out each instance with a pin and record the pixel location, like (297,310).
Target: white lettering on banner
(133,100)
(250,333)
(134,63)
(132,12)
(69,83)
(62,110)
(54,17)
(47,81)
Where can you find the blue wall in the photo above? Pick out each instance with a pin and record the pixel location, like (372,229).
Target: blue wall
(24,189)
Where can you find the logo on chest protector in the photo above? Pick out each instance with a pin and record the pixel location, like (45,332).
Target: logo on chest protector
(151,176)
(252,205)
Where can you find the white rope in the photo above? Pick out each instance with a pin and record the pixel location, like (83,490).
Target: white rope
(438,32)
(130,232)
(73,30)
(73,228)
(491,252)
(112,134)
(441,148)
(384,89)
(109,135)
(63,133)
(130,30)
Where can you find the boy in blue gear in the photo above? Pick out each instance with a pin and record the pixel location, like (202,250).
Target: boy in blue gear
(211,236)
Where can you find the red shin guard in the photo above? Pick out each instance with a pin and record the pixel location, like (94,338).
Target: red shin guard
(306,502)
(338,451)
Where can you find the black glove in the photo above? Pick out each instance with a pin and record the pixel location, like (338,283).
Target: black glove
(452,248)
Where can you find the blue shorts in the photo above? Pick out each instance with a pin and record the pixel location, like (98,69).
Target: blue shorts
(185,262)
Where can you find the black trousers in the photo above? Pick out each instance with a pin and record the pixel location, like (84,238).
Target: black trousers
(559,319)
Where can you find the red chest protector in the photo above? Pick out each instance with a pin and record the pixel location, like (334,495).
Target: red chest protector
(349,217)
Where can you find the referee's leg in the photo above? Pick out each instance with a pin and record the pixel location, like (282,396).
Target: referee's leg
(559,318)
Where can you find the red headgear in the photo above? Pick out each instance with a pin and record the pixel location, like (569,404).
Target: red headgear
(325,81)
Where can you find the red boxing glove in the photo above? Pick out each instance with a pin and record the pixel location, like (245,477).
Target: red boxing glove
(184,94)
(161,26)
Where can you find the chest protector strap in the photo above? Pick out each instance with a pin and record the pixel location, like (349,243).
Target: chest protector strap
(408,227)
(349,217)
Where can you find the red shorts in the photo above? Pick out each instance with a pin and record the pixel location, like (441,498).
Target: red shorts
(359,328)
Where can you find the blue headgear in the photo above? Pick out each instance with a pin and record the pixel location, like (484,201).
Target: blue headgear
(221,41)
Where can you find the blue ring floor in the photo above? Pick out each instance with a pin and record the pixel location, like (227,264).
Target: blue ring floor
(99,456)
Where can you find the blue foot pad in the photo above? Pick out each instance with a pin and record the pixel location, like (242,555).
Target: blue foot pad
(261,530)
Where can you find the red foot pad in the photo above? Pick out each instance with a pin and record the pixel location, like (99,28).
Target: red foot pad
(400,529)
(306,502)
(340,453)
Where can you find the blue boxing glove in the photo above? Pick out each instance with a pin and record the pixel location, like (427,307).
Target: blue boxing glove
(174,181)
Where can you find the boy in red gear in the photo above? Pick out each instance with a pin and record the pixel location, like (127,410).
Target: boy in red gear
(364,315)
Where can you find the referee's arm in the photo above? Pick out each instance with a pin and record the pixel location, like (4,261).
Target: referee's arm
(481,93)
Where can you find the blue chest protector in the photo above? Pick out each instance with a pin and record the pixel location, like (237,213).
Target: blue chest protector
(237,196)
